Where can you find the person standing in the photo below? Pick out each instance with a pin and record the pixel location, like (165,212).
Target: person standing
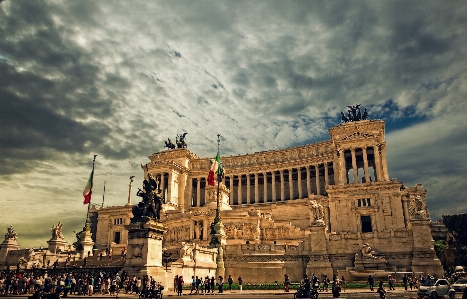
(221,284)
(404,281)
(286,283)
(230,281)
(240,283)
(371,282)
(213,284)
(336,289)
(343,283)
(391,283)
(180,285)
(175,283)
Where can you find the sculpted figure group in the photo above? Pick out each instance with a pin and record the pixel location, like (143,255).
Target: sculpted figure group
(57,231)
(11,234)
(179,142)
(354,114)
(151,204)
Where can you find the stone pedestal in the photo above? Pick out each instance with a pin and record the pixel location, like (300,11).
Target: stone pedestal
(86,242)
(57,245)
(211,197)
(144,254)
(424,257)
(319,261)
(367,264)
(5,247)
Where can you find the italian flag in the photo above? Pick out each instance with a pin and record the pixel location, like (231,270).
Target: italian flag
(88,189)
(215,168)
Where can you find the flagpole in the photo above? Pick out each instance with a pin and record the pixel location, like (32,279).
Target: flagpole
(218,214)
(103,194)
(89,203)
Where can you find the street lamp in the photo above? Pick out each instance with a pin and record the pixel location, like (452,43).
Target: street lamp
(166,257)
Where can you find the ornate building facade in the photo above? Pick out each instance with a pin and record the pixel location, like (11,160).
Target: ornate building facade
(315,208)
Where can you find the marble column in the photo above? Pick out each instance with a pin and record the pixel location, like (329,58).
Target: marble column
(318,187)
(365,165)
(273,186)
(308,182)
(290,184)
(299,182)
(379,173)
(256,188)
(282,184)
(239,199)
(354,166)
(326,174)
(231,194)
(265,187)
(248,193)
(198,192)
(190,191)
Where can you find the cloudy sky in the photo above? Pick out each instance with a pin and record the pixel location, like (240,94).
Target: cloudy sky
(117,78)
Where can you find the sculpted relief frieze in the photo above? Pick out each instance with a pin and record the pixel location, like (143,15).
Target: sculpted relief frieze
(177,233)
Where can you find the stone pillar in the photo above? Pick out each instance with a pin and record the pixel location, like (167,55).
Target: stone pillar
(163,184)
(129,192)
(282,184)
(379,173)
(342,171)
(211,199)
(318,186)
(240,200)
(308,182)
(7,245)
(405,207)
(265,187)
(354,166)
(256,188)
(57,245)
(273,186)
(144,254)
(384,165)
(299,182)
(169,188)
(365,165)
(190,191)
(198,192)
(290,184)
(231,190)
(326,174)
(248,193)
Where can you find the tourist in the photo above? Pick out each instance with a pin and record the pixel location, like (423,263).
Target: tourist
(371,282)
(240,283)
(336,289)
(180,285)
(381,291)
(213,284)
(286,283)
(230,281)
(404,281)
(221,284)
(207,284)
(391,283)
(175,283)
(90,285)
(306,284)
(193,285)
(343,283)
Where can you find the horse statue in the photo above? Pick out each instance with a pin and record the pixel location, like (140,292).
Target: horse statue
(169,144)
(181,140)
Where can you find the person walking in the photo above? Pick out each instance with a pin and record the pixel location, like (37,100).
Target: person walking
(391,283)
(230,281)
(221,284)
(404,281)
(371,282)
(336,289)
(240,283)
(343,283)
(213,284)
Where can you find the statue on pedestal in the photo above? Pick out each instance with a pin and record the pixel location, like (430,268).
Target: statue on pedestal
(11,234)
(317,213)
(57,231)
(367,252)
(151,204)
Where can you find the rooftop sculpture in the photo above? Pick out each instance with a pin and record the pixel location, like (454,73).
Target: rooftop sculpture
(354,113)
(179,142)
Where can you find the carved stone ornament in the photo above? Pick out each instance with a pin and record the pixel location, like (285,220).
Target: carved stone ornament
(11,234)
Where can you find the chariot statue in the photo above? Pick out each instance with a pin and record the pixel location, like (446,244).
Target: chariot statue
(180,140)
(354,113)
(169,144)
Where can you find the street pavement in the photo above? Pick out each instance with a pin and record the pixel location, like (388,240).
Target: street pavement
(263,294)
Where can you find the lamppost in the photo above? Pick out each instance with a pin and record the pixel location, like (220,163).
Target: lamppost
(166,257)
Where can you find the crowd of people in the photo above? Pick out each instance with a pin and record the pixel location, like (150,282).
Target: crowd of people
(80,283)
(206,285)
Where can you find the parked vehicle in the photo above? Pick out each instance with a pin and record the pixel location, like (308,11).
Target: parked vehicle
(436,288)
(313,293)
(460,285)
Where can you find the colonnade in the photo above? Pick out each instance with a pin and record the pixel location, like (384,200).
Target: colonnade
(269,185)
(362,164)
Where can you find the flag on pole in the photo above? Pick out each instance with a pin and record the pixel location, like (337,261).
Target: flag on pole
(88,189)
(216,168)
